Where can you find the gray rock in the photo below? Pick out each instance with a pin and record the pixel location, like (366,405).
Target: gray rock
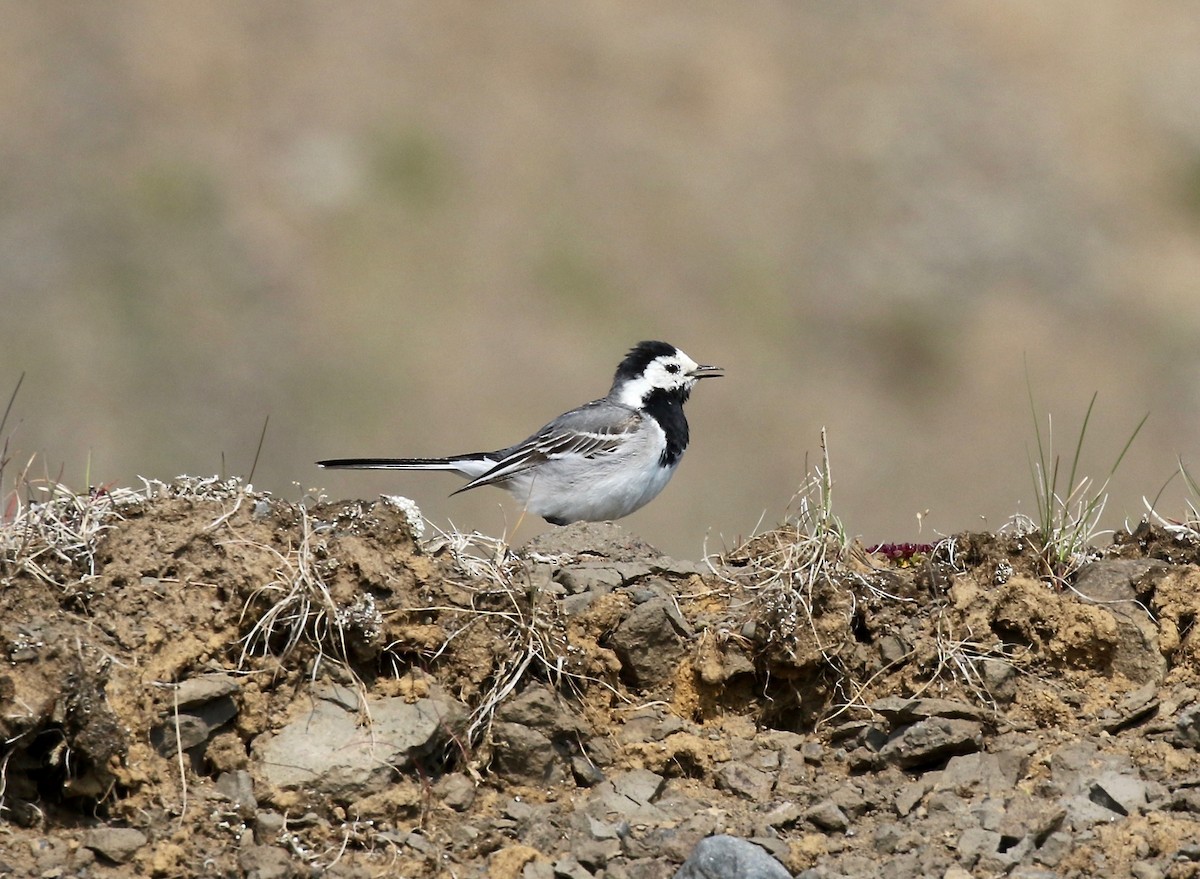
(980,772)
(827,815)
(1009,853)
(204,688)
(986,813)
(525,753)
(1134,708)
(1000,679)
(648,643)
(850,798)
(745,781)
(238,787)
(116,844)
(912,794)
(541,708)
(456,791)
(1054,848)
(1083,812)
(1187,727)
(52,856)
(794,777)
(569,868)
(900,711)
(637,868)
(574,605)
(892,649)
(975,842)
(650,725)
(863,760)
(267,862)
(727,857)
(337,693)
(1119,793)
(783,815)
(1032,817)
(772,845)
(267,826)
(665,841)
(596,579)
(626,797)
(605,829)
(638,569)
(892,838)
(594,854)
(193,727)
(1073,758)
(518,810)
(590,541)
(179,732)
(585,771)
(670,567)
(1190,851)
(640,785)
(679,621)
(1146,870)
(538,870)
(1111,583)
(680,807)
(928,741)
(328,753)
(418,842)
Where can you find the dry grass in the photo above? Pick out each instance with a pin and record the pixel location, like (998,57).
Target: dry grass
(799,572)
(50,533)
(807,583)
(300,607)
(506,598)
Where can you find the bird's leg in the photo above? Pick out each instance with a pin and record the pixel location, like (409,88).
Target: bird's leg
(524,506)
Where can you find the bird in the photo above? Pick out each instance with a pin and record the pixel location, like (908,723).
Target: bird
(598,462)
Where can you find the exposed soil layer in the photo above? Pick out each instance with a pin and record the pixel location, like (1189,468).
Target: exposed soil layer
(211,682)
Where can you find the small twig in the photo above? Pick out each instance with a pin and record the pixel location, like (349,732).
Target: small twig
(179,754)
(258,451)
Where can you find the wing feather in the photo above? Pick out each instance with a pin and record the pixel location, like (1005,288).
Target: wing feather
(591,431)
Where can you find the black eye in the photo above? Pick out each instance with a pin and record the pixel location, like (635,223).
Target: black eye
(672,368)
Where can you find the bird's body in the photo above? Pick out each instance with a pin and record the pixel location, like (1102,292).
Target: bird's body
(600,461)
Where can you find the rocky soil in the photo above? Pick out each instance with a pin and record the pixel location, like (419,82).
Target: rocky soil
(199,680)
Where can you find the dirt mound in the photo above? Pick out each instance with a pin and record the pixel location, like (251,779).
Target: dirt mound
(201,680)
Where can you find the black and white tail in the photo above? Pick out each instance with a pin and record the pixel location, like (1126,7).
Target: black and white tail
(469,466)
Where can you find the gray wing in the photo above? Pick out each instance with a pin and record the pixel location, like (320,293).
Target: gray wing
(593,430)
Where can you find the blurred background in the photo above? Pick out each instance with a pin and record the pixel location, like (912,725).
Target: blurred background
(418,229)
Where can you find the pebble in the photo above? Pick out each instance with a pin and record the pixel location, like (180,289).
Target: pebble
(828,816)
(116,844)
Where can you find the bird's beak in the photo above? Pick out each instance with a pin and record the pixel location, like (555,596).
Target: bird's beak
(707,372)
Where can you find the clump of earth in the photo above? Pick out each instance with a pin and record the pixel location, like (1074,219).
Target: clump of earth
(200,680)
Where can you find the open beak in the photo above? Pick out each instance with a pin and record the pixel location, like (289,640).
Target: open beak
(707,372)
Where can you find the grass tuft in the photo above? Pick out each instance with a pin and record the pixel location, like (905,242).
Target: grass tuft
(504,596)
(300,608)
(804,582)
(1068,511)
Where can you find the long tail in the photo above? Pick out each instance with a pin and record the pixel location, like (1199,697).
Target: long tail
(469,466)
(389,464)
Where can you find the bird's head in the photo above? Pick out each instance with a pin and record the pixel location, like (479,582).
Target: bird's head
(657,368)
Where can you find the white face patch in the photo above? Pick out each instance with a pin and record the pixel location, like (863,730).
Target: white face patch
(666,372)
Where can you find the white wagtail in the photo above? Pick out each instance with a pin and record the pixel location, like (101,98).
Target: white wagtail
(600,461)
